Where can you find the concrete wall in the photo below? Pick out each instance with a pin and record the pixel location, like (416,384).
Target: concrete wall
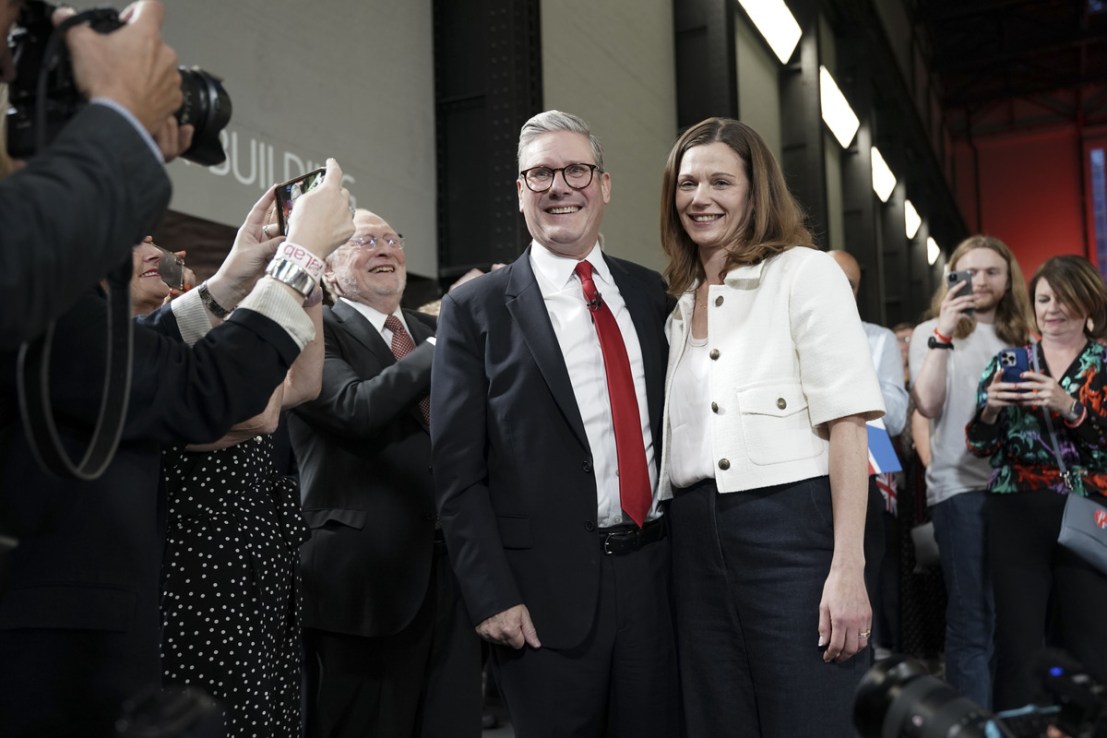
(611,62)
(349,79)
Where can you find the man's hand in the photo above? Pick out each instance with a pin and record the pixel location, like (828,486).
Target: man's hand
(322,220)
(173,139)
(512,627)
(132,65)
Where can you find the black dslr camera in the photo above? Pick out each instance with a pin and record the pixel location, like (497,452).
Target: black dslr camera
(43,69)
(898,698)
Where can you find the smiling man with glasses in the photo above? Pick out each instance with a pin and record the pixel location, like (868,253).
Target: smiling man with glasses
(546,398)
(388,646)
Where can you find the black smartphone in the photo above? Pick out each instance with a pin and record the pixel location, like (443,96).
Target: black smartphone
(1013,362)
(954,278)
(292,189)
(171,269)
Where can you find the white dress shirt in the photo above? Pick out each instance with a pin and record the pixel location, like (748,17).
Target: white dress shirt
(580,347)
(377,318)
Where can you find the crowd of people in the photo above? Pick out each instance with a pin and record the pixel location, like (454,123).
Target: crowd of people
(644,499)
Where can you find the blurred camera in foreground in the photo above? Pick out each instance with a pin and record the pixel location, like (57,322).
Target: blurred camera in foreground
(206,106)
(898,698)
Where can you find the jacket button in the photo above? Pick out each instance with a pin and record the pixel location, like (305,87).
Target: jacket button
(718,301)
(587,467)
(724,464)
(781,403)
(590,526)
(714,407)
(714,354)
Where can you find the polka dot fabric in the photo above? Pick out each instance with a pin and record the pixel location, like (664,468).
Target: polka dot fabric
(231,592)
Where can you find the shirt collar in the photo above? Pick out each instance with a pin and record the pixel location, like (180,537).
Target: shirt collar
(374,316)
(558,270)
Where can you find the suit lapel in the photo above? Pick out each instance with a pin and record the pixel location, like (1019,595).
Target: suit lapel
(528,309)
(649,338)
(358,326)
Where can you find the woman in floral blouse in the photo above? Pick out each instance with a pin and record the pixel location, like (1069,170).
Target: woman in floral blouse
(1044,593)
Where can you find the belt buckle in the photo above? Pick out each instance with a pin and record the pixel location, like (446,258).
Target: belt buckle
(607,545)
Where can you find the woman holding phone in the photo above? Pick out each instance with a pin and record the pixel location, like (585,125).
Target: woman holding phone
(769,384)
(1046,435)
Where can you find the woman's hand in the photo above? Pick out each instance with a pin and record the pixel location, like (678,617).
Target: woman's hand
(1043,391)
(1000,395)
(845,616)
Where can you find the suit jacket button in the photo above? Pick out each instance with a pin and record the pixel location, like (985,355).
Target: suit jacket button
(781,403)
(719,301)
(590,526)
(714,407)
(714,354)
(587,467)
(724,464)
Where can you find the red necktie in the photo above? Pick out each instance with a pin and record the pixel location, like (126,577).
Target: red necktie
(634,476)
(402,345)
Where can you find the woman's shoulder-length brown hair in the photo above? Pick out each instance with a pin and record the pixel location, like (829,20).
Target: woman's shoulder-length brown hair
(773,222)
(1078,287)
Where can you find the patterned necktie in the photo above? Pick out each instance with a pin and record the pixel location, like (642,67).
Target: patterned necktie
(634,477)
(402,345)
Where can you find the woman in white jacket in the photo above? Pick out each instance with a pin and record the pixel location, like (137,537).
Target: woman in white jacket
(769,385)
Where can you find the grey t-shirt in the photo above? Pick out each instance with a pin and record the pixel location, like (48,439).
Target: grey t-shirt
(953,469)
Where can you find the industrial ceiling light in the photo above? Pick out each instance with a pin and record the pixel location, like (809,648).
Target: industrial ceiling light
(933,251)
(837,114)
(911,219)
(883,179)
(776,24)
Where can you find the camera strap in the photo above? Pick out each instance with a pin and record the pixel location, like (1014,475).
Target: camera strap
(33,375)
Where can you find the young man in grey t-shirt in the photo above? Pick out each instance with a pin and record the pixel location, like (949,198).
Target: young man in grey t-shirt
(948,354)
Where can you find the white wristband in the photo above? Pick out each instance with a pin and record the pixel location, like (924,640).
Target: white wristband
(302,258)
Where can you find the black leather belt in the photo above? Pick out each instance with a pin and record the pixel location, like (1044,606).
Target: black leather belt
(624,539)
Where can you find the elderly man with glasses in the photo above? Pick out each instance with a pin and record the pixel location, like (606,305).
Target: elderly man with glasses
(388,649)
(546,395)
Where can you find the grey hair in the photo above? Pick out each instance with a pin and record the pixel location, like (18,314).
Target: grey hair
(552,121)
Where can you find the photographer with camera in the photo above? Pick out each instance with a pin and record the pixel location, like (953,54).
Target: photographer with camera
(75,210)
(79,624)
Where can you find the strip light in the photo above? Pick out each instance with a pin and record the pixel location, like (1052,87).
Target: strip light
(776,24)
(911,219)
(837,114)
(883,179)
(933,251)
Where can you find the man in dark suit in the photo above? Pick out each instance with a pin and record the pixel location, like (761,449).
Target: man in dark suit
(546,396)
(79,620)
(389,652)
(74,212)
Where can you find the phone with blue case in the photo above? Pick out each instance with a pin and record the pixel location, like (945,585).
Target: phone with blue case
(1014,361)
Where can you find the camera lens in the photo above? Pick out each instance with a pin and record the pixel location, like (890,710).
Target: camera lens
(897,698)
(206,107)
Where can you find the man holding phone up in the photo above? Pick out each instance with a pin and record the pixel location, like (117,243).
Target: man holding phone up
(979,313)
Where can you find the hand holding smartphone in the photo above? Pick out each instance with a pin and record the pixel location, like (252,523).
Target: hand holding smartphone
(955,278)
(289,191)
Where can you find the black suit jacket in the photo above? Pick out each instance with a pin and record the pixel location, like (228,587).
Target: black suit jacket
(79,623)
(365,479)
(72,215)
(512,465)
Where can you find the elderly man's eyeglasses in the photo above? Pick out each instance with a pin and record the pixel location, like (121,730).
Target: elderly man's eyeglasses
(370,243)
(577,176)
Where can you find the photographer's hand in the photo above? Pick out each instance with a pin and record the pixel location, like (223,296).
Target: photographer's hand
(173,139)
(132,66)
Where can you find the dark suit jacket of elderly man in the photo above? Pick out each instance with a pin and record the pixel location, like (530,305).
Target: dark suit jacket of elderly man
(369,568)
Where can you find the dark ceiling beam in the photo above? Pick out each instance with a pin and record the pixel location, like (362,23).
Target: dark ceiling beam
(944,11)
(950,58)
(990,93)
